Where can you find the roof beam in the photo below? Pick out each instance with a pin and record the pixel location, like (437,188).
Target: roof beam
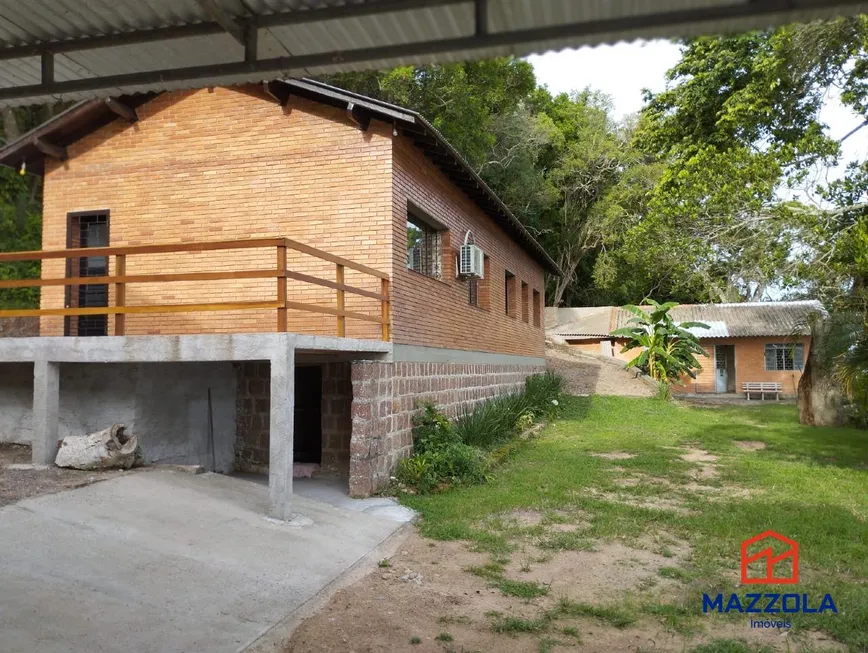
(122,110)
(50,149)
(289,64)
(278,91)
(359,116)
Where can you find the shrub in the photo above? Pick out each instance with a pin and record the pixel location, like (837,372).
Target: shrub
(440,455)
(446,453)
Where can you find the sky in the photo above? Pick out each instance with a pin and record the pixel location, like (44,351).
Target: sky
(624,69)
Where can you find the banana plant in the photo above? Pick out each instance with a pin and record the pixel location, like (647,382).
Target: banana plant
(667,349)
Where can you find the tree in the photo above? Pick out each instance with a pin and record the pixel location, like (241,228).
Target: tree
(668,350)
(550,158)
(738,124)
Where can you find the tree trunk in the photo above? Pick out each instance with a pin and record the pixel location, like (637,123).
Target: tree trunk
(820,399)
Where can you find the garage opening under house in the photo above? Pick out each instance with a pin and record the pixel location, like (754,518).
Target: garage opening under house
(261,276)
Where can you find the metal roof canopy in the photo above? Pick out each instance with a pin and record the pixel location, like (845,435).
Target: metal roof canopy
(78,49)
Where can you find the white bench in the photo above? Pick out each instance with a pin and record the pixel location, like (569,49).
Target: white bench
(761,389)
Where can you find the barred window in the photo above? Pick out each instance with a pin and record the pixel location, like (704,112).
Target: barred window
(784,357)
(423,247)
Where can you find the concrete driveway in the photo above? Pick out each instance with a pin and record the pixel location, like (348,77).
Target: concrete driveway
(165,561)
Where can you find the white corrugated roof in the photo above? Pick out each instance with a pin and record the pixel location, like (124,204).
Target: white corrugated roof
(734,320)
(314,37)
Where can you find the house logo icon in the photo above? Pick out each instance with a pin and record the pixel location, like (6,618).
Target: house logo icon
(771,560)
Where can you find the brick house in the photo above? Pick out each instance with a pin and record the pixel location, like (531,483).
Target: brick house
(201,203)
(762,342)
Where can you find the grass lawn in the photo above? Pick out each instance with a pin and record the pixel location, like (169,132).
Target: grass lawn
(689,483)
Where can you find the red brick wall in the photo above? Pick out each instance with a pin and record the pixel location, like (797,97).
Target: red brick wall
(229,164)
(436,312)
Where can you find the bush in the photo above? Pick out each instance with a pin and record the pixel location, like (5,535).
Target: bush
(446,453)
(440,455)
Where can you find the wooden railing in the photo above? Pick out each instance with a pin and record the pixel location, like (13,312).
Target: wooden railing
(120,279)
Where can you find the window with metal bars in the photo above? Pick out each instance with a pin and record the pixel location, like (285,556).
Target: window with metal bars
(87,230)
(782,357)
(423,247)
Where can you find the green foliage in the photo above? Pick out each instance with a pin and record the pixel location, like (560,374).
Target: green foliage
(668,350)
(20,229)
(461,453)
(440,457)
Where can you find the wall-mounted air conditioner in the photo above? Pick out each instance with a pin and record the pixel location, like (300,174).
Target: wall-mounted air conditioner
(471,262)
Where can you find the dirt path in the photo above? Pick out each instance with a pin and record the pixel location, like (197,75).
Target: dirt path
(434,598)
(586,375)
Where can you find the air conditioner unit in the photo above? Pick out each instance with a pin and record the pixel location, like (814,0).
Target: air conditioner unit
(471,262)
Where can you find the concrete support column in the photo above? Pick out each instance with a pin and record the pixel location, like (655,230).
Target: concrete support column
(281,421)
(46,411)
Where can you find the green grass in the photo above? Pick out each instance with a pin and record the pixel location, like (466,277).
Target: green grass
(444,637)
(518,625)
(612,615)
(809,483)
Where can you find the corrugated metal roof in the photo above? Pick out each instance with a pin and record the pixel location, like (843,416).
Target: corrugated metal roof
(725,320)
(336,35)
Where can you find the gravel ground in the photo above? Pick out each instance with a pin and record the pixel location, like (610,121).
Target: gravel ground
(586,375)
(18,484)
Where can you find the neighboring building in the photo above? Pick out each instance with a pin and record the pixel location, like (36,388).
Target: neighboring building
(377,206)
(749,342)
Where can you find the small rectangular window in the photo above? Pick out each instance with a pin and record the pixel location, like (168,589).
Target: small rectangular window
(781,357)
(509,293)
(537,308)
(525,303)
(423,247)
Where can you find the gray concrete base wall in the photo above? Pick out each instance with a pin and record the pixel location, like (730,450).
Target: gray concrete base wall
(164,404)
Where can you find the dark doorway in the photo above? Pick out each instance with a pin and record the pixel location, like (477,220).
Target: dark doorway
(87,230)
(307,439)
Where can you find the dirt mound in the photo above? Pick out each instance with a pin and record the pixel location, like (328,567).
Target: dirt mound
(586,375)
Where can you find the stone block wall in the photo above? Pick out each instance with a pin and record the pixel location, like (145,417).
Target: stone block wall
(337,420)
(252,416)
(252,410)
(386,395)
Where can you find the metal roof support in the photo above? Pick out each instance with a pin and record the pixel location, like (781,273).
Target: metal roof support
(227,22)
(481,17)
(47,66)
(294,63)
(251,42)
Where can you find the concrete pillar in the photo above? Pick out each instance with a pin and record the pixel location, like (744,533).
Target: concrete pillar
(46,411)
(281,432)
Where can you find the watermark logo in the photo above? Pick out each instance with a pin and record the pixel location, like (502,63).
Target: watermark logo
(780,568)
(771,560)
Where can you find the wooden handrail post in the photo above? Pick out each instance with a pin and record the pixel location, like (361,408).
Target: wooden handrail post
(341,298)
(281,287)
(384,290)
(120,294)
